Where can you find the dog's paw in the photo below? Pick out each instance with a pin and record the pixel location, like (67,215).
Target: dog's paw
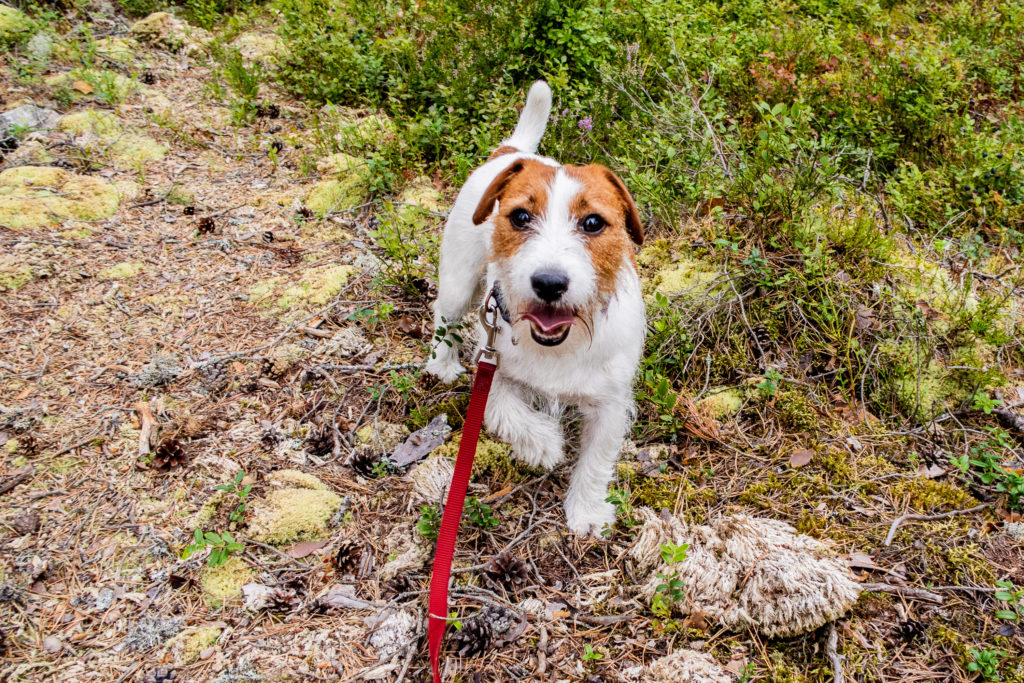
(588,517)
(538,443)
(445,366)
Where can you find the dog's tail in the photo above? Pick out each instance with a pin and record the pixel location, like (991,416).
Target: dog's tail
(533,120)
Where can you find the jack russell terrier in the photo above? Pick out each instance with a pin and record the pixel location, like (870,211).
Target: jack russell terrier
(554,244)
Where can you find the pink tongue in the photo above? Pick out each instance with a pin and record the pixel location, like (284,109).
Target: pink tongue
(549,320)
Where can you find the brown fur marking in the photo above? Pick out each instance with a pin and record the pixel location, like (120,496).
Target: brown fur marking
(604,194)
(501,151)
(525,189)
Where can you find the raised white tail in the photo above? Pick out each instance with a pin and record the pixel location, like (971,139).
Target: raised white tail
(533,120)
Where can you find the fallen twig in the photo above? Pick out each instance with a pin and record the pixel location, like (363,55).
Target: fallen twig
(15,480)
(148,428)
(928,518)
(834,656)
(904,591)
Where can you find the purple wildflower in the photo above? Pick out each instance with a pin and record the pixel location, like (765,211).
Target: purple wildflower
(586,123)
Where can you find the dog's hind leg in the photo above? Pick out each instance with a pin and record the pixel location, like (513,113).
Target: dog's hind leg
(604,427)
(536,437)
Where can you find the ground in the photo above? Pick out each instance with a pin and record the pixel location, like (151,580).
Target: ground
(197,337)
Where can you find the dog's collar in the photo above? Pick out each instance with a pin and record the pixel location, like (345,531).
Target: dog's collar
(499,299)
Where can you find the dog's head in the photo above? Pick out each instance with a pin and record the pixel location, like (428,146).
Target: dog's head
(562,234)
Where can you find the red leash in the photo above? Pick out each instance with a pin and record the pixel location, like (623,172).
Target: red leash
(487,363)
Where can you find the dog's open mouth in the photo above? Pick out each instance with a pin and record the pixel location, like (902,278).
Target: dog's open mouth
(549,326)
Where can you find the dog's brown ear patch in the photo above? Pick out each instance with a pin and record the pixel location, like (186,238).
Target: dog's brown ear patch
(494,191)
(633,225)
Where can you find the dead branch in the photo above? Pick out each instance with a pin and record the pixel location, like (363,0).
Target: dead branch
(903,591)
(834,656)
(147,431)
(15,480)
(928,518)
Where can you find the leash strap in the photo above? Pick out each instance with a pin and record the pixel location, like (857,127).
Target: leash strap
(446,537)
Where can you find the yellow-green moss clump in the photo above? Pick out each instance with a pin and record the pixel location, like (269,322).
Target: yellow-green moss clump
(689,276)
(298,509)
(14,273)
(254,45)
(15,27)
(126,149)
(187,645)
(296,479)
(422,193)
(493,461)
(928,495)
(224,583)
(121,271)
(795,412)
(722,404)
(34,196)
(315,287)
(346,186)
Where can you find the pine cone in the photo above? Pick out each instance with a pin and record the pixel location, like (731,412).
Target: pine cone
(500,619)
(148,77)
(169,455)
(305,213)
(206,225)
(473,640)
(363,462)
(160,674)
(277,146)
(320,441)
(346,559)
(283,600)
(189,211)
(271,436)
(274,367)
(213,377)
(507,570)
(908,631)
(398,585)
(28,445)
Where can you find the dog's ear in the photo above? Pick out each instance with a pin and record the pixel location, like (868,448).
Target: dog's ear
(494,191)
(633,225)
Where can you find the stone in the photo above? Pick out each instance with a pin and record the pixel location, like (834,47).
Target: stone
(29,116)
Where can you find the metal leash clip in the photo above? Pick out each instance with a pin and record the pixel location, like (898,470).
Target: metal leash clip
(489,319)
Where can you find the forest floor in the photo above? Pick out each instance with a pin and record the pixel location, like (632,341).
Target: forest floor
(184,334)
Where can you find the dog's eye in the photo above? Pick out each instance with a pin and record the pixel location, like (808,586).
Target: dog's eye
(520,218)
(592,224)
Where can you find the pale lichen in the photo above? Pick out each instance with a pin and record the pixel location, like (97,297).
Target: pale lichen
(187,645)
(345,187)
(299,508)
(315,287)
(120,271)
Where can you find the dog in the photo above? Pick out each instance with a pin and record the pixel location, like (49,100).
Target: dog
(554,244)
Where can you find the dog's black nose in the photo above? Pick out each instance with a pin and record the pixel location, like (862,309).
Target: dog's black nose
(550,285)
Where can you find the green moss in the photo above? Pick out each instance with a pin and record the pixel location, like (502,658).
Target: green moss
(314,288)
(346,188)
(15,27)
(423,195)
(34,196)
(224,583)
(928,495)
(296,479)
(102,124)
(795,412)
(289,515)
(454,408)
(837,463)
(261,46)
(656,492)
(125,149)
(689,276)
(493,461)
(121,271)
(187,645)
(722,404)
(655,253)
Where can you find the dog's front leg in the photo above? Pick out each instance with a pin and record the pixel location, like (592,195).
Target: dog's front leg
(604,426)
(457,285)
(535,437)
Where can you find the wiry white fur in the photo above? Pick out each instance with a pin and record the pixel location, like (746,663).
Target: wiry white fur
(533,119)
(592,369)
